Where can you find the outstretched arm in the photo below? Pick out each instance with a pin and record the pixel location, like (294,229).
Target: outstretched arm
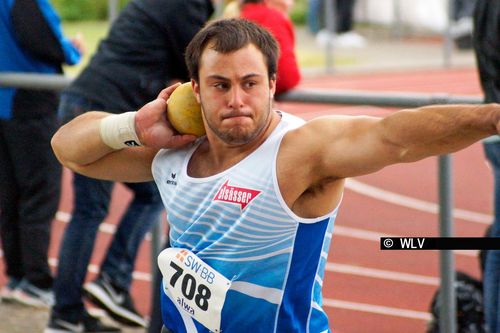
(351,146)
(79,144)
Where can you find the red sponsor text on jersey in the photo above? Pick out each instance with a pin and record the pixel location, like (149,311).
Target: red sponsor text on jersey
(237,195)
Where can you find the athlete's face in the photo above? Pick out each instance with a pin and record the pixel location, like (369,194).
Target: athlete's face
(235,93)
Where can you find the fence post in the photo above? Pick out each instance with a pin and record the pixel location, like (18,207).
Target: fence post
(397,25)
(448,40)
(330,13)
(112,10)
(448,308)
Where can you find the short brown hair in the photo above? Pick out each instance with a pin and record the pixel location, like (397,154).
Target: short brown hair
(229,35)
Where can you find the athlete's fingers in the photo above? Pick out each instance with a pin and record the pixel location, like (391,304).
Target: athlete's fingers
(165,93)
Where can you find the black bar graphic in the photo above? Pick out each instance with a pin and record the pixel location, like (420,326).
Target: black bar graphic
(439,243)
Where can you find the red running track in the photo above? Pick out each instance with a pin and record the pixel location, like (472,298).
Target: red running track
(366,289)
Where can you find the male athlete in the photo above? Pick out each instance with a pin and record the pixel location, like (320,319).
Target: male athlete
(251,205)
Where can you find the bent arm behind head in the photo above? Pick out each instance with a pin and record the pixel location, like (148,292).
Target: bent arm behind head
(79,144)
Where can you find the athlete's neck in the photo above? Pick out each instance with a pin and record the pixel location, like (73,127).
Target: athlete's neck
(213,156)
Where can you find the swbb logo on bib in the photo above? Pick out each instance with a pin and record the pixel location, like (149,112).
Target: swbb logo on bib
(198,289)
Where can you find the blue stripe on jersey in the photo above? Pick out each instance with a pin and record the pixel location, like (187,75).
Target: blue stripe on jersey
(296,306)
(238,319)
(171,317)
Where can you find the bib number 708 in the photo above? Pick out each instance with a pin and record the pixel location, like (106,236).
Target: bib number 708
(196,288)
(189,289)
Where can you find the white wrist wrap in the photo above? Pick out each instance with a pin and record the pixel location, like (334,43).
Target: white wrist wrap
(118,130)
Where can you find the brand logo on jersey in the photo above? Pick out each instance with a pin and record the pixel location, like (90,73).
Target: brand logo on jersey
(132,143)
(172,180)
(236,195)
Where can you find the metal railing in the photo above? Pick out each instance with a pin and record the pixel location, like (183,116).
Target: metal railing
(346,97)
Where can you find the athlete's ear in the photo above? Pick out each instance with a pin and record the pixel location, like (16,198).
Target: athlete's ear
(272,84)
(196,89)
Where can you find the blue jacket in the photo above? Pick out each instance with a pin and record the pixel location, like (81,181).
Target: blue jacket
(32,42)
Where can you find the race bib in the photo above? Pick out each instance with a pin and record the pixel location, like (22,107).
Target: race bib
(198,289)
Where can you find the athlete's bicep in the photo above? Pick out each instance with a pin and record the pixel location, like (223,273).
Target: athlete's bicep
(346,146)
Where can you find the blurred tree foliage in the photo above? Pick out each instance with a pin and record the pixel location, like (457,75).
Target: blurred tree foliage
(77,10)
(299,12)
(81,10)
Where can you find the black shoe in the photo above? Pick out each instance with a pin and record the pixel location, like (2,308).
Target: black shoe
(88,324)
(117,303)
(28,294)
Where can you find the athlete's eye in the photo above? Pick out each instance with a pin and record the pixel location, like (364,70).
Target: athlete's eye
(249,84)
(221,85)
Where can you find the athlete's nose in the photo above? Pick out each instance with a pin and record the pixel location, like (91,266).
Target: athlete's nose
(236,98)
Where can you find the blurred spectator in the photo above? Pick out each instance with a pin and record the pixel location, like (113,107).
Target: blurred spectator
(345,36)
(486,41)
(30,175)
(273,15)
(142,53)
(314,10)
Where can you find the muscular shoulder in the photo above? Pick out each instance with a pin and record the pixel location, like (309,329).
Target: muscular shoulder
(314,143)
(300,158)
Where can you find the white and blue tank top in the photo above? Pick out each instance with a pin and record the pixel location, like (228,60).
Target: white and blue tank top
(238,223)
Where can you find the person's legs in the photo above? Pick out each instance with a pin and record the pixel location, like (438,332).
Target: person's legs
(38,175)
(463,8)
(9,218)
(91,200)
(37,178)
(144,211)
(313,13)
(33,178)
(492,266)
(91,207)
(111,289)
(345,14)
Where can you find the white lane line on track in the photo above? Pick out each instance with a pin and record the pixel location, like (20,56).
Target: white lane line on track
(382,310)
(382,274)
(405,201)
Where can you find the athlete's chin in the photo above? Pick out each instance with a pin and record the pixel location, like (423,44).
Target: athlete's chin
(238,136)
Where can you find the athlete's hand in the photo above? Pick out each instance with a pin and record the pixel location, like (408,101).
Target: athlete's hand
(152,126)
